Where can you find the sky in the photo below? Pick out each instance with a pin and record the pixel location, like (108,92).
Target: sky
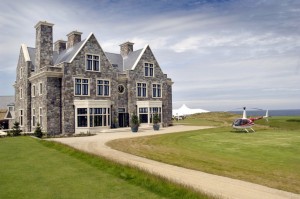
(220,54)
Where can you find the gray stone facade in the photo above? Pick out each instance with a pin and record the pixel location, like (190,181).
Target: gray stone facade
(77,87)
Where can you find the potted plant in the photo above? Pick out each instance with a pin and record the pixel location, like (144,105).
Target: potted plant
(115,123)
(134,123)
(156,121)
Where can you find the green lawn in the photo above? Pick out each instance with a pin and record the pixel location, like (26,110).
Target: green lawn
(208,119)
(270,156)
(30,168)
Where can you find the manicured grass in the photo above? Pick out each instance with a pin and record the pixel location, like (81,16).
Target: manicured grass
(31,168)
(270,156)
(208,119)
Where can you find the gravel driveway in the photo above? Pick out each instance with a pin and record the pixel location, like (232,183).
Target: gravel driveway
(211,184)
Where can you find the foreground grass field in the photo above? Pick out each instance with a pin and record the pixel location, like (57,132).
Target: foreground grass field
(30,168)
(269,157)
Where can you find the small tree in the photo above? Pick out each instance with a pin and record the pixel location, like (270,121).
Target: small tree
(38,131)
(16,131)
(134,123)
(156,119)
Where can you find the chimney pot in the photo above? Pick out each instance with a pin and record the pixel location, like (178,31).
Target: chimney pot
(60,45)
(43,44)
(74,37)
(126,48)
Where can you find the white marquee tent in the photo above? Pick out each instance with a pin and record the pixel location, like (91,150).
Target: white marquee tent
(184,110)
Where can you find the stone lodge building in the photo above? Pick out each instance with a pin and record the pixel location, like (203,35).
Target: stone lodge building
(76,87)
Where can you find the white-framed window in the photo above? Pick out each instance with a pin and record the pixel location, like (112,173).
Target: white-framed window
(103,87)
(146,114)
(21,117)
(143,114)
(21,72)
(21,93)
(99,117)
(153,111)
(121,88)
(82,119)
(40,88)
(141,89)
(149,70)
(92,62)
(33,90)
(93,117)
(33,117)
(156,90)
(81,86)
(41,116)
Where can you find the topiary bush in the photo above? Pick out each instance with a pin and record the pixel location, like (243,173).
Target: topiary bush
(16,131)
(38,131)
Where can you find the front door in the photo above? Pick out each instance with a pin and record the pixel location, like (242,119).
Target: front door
(123,119)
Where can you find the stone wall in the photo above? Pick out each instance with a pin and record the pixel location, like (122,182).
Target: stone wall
(137,75)
(78,69)
(22,83)
(53,89)
(43,45)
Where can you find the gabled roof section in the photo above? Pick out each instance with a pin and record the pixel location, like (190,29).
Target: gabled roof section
(9,115)
(139,56)
(31,52)
(126,63)
(25,52)
(69,54)
(132,58)
(116,60)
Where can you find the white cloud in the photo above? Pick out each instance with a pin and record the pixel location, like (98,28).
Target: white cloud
(218,53)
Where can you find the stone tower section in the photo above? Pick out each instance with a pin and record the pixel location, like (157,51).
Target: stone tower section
(43,45)
(126,48)
(73,38)
(60,46)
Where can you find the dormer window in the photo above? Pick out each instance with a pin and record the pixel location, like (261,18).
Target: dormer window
(149,70)
(93,63)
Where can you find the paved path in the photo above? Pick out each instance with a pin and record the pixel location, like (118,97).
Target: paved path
(211,184)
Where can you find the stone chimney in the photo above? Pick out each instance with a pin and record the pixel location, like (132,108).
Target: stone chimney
(73,38)
(126,48)
(43,44)
(60,45)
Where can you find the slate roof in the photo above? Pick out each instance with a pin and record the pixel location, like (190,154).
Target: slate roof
(68,54)
(2,113)
(5,100)
(115,59)
(130,60)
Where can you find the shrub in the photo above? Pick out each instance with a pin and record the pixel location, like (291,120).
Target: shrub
(156,119)
(16,131)
(38,131)
(135,120)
